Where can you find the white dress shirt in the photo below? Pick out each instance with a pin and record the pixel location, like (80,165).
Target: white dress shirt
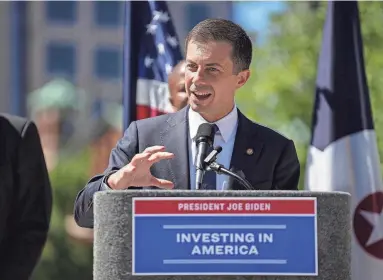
(224,138)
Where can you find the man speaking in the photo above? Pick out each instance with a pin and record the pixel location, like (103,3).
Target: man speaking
(161,151)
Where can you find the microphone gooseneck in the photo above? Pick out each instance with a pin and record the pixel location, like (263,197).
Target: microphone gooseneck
(220,169)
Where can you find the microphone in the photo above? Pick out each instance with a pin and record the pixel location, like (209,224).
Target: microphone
(204,139)
(220,169)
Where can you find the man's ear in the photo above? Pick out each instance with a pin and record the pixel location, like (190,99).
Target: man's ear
(242,78)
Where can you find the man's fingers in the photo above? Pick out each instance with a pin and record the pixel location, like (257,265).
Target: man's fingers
(154,149)
(161,183)
(156,157)
(139,158)
(151,155)
(147,153)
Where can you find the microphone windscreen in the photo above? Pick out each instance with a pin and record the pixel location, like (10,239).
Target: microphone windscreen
(205,130)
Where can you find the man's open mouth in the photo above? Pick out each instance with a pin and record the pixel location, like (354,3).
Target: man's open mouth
(201,95)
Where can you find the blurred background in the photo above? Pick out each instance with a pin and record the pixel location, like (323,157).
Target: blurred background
(61,64)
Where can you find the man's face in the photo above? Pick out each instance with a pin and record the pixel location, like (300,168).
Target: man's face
(178,95)
(210,80)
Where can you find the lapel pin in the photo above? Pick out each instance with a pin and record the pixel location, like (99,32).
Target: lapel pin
(249,151)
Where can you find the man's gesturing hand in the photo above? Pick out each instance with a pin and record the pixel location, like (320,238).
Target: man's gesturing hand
(137,172)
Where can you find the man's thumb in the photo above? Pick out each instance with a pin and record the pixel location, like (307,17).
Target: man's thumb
(161,183)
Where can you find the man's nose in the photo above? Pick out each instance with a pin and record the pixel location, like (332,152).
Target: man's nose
(198,76)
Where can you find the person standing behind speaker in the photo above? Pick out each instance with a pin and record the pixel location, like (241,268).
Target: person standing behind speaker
(25,200)
(159,152)
(178,96)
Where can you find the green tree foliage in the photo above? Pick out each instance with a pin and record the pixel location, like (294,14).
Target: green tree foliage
(281,90)
(64,258)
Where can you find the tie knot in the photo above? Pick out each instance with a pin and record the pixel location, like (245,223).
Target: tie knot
(215,128)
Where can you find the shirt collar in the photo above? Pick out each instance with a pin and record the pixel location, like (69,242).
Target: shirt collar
(226,125)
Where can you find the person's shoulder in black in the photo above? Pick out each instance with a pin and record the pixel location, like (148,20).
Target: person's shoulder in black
(26,199)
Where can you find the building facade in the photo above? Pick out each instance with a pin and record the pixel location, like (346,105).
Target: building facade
(5,57)
(82,42)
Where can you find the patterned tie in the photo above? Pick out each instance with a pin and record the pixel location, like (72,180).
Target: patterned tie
(209,179)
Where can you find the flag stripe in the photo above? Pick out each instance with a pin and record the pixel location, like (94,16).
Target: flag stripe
(153,94)
(144,111)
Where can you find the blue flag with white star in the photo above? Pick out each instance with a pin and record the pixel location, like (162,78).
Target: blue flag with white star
(343,154)
(151,50)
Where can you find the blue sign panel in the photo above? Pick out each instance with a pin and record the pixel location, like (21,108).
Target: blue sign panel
(224,236)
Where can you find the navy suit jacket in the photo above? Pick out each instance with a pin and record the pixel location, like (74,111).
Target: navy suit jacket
(273,165)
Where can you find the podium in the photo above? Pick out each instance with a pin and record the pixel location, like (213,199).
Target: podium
(161,234)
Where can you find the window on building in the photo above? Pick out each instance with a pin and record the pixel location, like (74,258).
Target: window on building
(61,11)
(107,62)
(61,58)
(108,13)
(195,13)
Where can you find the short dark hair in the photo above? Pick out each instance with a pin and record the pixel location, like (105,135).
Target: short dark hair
(225,31)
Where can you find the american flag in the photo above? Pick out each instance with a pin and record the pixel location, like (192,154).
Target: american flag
(151,50)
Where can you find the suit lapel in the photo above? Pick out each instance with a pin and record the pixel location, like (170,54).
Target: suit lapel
(175,138)
(247,149)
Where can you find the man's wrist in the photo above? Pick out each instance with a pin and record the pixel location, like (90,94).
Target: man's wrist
(108,184)
(111,181)
(117,180)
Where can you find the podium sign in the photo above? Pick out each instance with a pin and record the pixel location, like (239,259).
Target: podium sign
(224,236)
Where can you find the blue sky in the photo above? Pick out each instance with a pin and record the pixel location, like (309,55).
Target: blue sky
(254,16)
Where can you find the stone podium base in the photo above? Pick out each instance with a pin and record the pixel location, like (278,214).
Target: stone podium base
(113,236)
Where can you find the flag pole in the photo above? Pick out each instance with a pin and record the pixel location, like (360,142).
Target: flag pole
(18,57)
(127,95)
